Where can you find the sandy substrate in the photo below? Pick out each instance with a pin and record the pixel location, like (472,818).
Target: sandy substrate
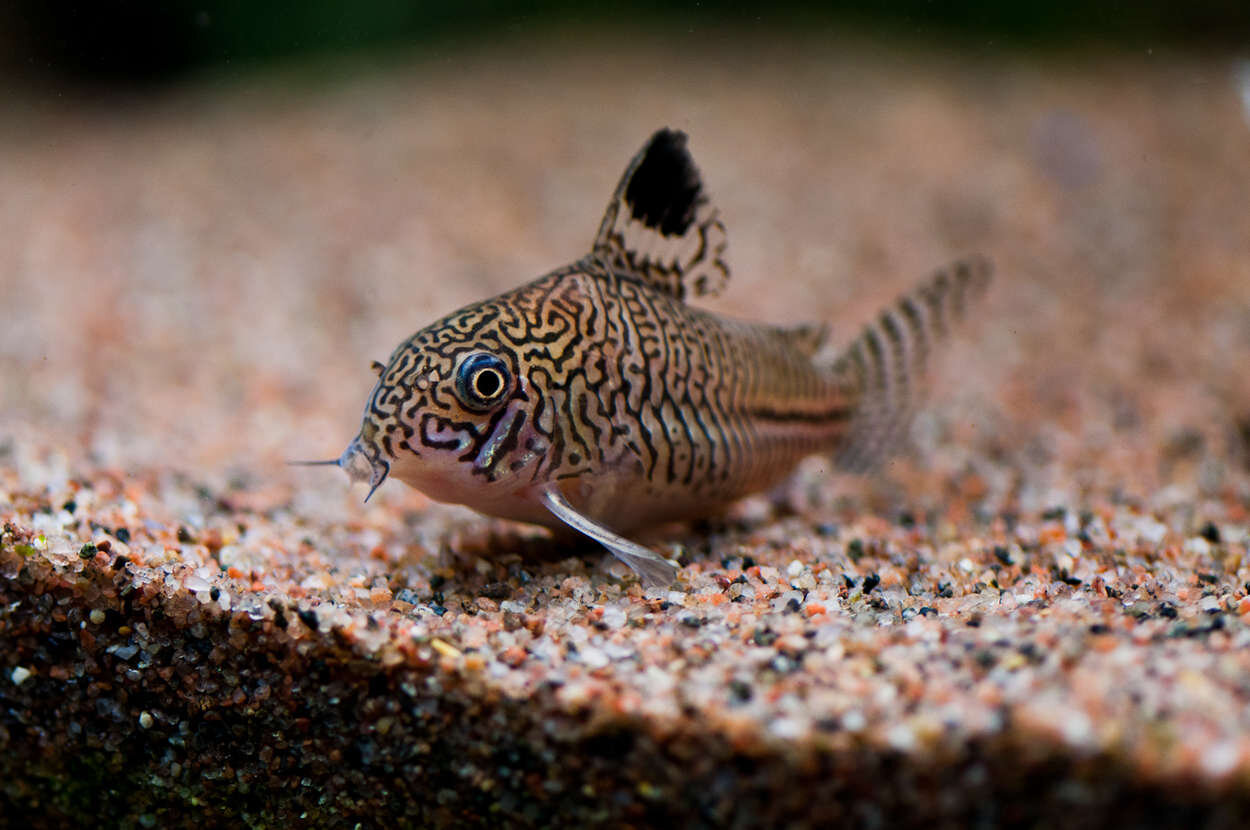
(1039,613)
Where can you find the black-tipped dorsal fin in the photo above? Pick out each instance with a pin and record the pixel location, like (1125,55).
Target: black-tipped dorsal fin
(660,227)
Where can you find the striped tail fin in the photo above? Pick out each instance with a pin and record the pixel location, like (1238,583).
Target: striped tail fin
(884,367)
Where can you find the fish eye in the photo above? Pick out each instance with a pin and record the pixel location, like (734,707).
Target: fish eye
(482,381)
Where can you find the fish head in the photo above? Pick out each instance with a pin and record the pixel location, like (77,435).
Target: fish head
(452,415)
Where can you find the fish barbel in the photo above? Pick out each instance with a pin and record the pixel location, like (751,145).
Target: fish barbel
(596,398)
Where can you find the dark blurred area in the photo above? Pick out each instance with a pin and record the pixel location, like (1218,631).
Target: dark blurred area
(141,42)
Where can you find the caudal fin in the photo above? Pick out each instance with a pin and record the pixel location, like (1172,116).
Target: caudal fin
(884,368)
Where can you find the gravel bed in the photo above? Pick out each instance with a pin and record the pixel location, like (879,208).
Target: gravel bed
(1039,613)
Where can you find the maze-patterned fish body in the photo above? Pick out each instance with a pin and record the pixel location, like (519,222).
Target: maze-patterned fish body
(596,398)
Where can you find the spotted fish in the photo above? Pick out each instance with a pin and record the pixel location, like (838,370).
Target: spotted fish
(596,398)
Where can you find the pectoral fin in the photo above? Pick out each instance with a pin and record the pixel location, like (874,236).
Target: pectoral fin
(654,570)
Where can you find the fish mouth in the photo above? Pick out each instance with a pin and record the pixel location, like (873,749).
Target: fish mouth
(362,462)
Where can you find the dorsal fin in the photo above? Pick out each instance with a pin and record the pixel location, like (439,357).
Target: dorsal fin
(660,227)
(807,338)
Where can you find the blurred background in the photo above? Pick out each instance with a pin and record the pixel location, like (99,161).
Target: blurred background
(146,41)
(215,214)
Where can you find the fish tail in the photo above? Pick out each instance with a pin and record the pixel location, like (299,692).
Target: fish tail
(884,368)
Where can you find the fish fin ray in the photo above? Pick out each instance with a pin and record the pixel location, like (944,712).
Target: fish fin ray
(653,570)
(885,367)
(660,227)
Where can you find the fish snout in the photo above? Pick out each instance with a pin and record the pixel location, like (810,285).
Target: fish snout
(363,462)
